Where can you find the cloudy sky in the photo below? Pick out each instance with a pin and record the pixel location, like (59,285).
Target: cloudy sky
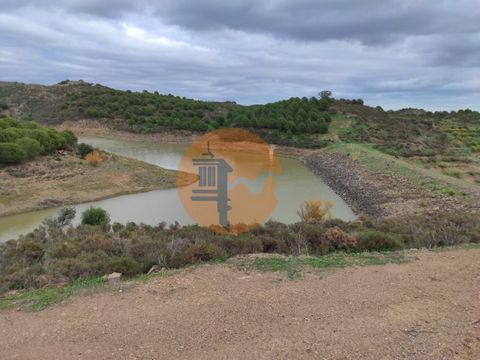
(396,53)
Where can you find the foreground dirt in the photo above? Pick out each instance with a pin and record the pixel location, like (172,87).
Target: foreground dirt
(65,179)
(425,309)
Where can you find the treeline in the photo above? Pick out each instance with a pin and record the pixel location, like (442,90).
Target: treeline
(293,116)
(20,140)
(145,111)
(153,112)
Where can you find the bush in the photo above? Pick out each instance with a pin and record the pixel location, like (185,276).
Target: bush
(7,122)
(95,216)
(10,134)
(69,137)
(31,146)
(124,265)
(315,211)
(64,218)
(94,158)
(11,153)
(378,241)
(336,238)
(84,149)
(201,251)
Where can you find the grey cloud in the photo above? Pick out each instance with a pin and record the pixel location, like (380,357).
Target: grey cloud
(392,53)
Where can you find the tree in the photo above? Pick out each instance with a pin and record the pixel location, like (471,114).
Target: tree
(325,94)
(69,137)
(11,153)
(95,216)
(31,146)
(84,149)
(323,104)
(64,218)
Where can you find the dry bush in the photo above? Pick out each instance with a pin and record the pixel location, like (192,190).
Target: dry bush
(315,211)
(336,238)
(94,158)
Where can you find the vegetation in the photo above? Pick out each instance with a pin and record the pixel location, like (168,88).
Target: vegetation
(94,158)
(315,211)
(95,216)
(11,153)
(60,253)
(301,122)
(84,149)
(293,266)
(26,140)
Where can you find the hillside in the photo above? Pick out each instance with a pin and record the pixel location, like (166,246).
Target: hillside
(291,121)
(448,142)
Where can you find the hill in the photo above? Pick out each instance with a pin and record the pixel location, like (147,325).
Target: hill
(301,122)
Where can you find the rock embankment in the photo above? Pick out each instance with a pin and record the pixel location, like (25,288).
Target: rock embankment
(349,181)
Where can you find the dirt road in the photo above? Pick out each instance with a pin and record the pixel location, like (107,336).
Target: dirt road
(425,309)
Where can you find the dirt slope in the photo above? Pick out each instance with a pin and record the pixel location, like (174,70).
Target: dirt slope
(425,309)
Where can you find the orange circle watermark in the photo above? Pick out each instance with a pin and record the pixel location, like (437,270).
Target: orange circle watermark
(221,167)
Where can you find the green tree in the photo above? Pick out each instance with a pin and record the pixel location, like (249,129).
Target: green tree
(31,146)
(84,149)
(11,153)
(8,122)
(95,216)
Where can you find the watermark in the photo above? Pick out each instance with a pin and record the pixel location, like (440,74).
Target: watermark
(234,184)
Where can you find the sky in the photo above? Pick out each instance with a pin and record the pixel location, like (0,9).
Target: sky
(393,53)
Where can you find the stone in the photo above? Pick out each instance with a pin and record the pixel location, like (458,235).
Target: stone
(153,269)
(114,277)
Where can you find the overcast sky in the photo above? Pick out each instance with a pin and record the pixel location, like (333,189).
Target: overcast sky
(396,53)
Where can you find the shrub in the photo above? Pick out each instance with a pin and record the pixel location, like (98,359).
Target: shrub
(31,146)
(11,153)
(377,241)
(43,138)
(124,265)
(336,238)
(315,211)
(84,149)
(95,216)
(69,137)
(8,122)
(10,135)
(201,251)
(64,218)
(94,158)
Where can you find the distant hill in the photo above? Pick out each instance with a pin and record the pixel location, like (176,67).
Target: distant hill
(302,122)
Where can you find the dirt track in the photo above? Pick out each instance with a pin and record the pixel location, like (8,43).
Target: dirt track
(425,309)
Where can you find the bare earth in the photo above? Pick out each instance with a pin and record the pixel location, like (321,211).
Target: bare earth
(425,309)
(65,179)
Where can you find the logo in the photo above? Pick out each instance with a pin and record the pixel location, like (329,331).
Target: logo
(234,185)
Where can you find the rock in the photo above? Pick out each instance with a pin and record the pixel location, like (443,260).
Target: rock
(114,277)
(153,269)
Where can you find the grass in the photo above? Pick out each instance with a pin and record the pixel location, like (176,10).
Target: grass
(293,266)
(41,298)
(425,178)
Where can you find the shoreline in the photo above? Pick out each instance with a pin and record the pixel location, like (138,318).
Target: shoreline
(62,180)
(179,137)
(379,187)
(347,183)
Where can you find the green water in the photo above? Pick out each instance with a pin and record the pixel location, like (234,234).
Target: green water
(294,184)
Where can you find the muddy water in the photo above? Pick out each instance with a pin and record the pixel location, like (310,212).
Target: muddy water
(294,184)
